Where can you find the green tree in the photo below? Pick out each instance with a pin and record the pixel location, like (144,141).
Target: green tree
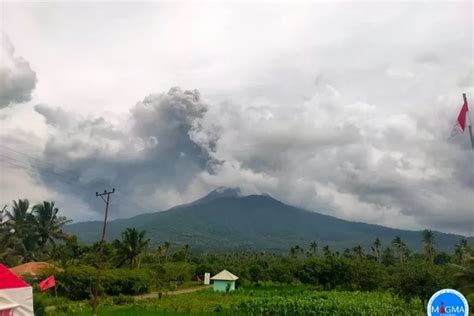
(326,251)
(314,248)
(388,258)
(358,251)
(376,249)
(131,246)
(465,275)
(461,251)
(21,239)
(419,279)
(347,253)
(69,253)
(296,251)
(20,220)
(401,249)
(48,224)
(186,253)
(165,249)
(428,245)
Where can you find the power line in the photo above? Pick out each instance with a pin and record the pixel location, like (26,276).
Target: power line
(65,171)
(37,158)
(74,182)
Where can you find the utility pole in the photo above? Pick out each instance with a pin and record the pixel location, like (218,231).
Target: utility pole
(101,249)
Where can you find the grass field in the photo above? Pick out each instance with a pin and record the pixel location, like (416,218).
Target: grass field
(267,300)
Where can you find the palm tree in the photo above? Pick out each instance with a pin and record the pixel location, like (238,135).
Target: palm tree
(461,251)
(401,248)
(166,248)
(347,253)
(21,237)
(326,251)
(358,251)
(48,223)
(131,246)
(429,248)
(314,248)
(387,256)
(186,252)
(465,276)
(376,248)
(20,220)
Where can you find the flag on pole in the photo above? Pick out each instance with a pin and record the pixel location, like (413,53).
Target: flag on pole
(462,119)
(47,283)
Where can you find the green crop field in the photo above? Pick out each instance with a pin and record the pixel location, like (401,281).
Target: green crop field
(267,300)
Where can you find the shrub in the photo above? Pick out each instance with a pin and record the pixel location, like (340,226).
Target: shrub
(126,282)
(78,282)
(419,280)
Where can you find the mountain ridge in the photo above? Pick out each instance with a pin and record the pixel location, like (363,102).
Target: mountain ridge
(227,219)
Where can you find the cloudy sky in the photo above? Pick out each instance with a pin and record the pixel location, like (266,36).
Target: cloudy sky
(343,108)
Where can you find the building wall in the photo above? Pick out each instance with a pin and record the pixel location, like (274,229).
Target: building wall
(221,286)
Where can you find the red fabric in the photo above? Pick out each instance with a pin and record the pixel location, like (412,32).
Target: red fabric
(6,312)
(9,280)
(47,283)
(462,116)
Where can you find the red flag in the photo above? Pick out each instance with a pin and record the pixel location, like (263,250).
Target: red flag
(47,283)
(463,115)
(460,125)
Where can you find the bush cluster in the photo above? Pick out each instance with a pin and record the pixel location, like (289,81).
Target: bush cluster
(78,282)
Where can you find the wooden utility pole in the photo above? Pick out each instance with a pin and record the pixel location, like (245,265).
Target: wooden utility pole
(100,258)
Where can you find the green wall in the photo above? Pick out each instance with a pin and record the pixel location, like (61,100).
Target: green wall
(221,286)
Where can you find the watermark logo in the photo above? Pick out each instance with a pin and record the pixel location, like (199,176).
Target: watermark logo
(447,302)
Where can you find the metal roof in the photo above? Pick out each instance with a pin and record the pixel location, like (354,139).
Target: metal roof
(224,275)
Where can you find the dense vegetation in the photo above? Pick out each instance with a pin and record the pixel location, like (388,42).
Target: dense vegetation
(323,278)
(263,300)
(222,222)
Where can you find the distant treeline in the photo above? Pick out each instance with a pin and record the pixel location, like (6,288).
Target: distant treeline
(133,266)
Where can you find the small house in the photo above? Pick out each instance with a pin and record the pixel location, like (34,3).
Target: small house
(224,281)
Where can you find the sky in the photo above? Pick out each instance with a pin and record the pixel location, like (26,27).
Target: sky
(344,108)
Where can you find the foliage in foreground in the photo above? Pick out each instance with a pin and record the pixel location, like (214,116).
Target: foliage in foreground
(78,282)
(284,300)
(330,303)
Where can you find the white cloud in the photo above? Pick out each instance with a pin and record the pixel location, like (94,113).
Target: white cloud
(17,79)
(319,104)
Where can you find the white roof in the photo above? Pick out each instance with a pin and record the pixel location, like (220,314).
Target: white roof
(224,275)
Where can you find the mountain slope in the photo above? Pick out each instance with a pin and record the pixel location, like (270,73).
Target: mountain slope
(258,222)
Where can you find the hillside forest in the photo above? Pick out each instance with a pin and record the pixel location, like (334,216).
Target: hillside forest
(391,272)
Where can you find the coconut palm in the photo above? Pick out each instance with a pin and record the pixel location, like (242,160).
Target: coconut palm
(166,249)
(20,221)
(314,248)
(21,237)
(49,224)
(465,276)
(358,251)
(400,248)
(326,251)
(186,252)
(131,246)
(428,245)
(461,251)
(376,249)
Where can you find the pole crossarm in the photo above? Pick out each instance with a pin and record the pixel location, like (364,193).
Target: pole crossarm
(100,259)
